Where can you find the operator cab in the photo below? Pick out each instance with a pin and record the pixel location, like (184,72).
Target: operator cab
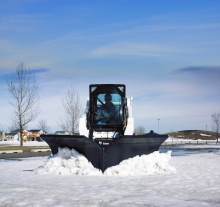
(107,108)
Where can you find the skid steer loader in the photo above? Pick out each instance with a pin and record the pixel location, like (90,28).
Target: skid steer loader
(106,129)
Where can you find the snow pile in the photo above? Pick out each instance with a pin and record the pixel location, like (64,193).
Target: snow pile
(153,164)
(205,135)
(68,161)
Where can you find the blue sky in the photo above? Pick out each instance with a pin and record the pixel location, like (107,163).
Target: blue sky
(166,52)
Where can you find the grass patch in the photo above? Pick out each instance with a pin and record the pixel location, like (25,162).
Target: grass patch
(24,148)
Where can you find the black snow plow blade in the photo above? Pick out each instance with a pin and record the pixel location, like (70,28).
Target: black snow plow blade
(103,152)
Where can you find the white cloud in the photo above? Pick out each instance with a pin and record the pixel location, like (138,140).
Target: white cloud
(130,49)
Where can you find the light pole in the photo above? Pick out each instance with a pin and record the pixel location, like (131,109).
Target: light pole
(1,133)
(158,125)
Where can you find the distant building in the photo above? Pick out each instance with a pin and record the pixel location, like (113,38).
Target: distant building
(31,135)
(2,136)
(34,134)
(13,135)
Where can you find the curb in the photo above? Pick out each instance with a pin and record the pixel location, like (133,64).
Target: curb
(41,150)
(10,151)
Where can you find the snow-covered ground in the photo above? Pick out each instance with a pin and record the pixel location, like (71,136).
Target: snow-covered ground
(184,180)
(192,143)
(173,139)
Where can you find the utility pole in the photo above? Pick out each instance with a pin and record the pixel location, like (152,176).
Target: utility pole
(158,126)
(1,134)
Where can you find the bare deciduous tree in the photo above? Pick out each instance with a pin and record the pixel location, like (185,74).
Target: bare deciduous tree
(73,111)
(139,130)
(24,91)
(216,122)
(13,127)
(42,124)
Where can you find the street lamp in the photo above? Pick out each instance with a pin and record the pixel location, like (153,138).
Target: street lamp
(1,133)
(158,125)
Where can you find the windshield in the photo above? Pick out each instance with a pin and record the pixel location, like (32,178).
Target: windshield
(108,108)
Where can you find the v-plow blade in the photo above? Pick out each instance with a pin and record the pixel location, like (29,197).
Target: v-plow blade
(103,152)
